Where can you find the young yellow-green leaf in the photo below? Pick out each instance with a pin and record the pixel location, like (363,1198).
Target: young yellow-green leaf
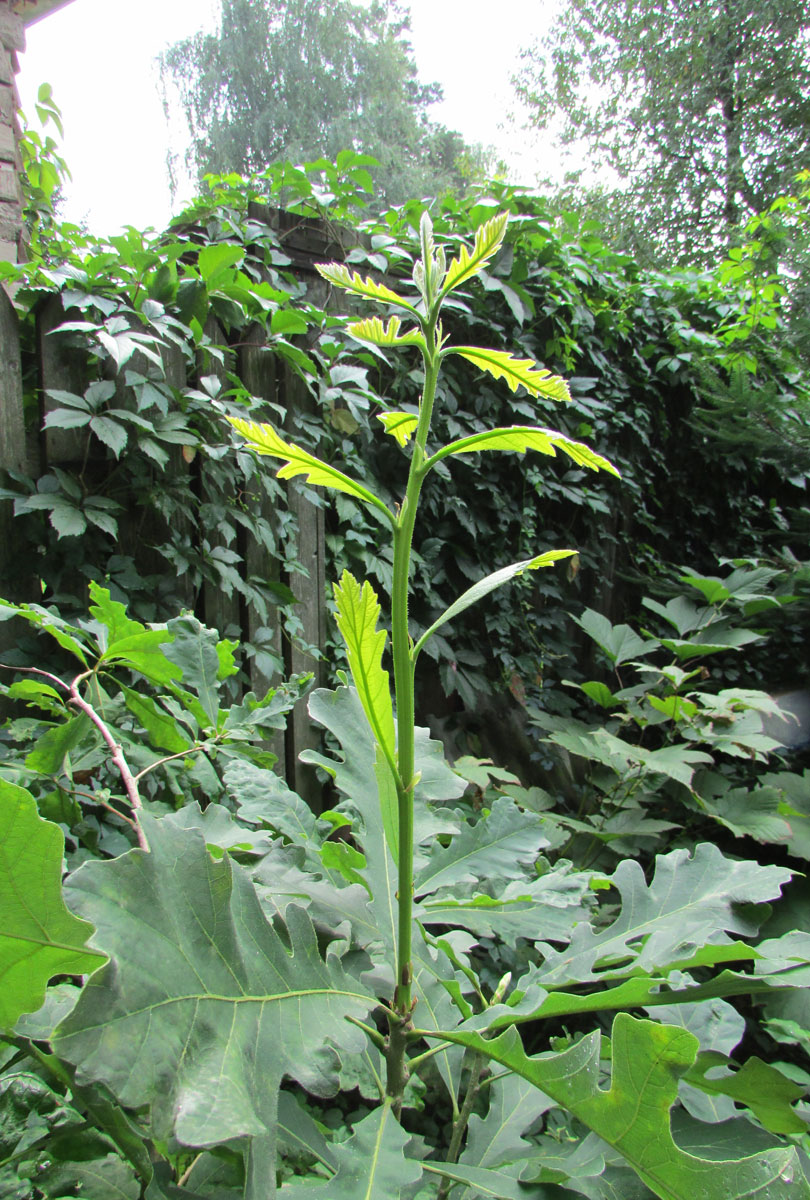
(488,584)
(372,329)
(39,937)
(357,614)
(516,371)
(340,275)
(264,440)
(399,424)
(488,238)
(519,439)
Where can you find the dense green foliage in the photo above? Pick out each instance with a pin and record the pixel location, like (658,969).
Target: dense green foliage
(424,991)
(638,349)
(292,80)
(699,113)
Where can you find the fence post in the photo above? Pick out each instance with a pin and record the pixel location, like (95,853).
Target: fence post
(310,592)
(257,370)
(12,434)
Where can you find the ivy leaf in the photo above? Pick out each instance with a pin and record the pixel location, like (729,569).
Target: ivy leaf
(371,1164)
(264,440)
(488,584)
(633,1116)
(216,262)
(372,329)
(517,372)
(340,275)
(619,642)
(399,424)
(111,433)
(204,1008)
(520,438)
(358,611)
(39,938)
(488,238)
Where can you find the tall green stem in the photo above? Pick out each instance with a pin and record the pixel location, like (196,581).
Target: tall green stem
(404,678)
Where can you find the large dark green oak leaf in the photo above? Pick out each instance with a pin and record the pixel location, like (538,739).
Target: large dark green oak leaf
(693,902)
(39,938)
(203,1009)
(633,1115)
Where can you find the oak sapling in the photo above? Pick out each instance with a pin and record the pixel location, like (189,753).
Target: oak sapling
(416,324)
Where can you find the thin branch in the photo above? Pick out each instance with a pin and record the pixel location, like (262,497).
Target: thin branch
(477,1066)
(116,751)
(169,758)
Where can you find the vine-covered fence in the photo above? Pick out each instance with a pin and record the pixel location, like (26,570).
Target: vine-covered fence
(28,447)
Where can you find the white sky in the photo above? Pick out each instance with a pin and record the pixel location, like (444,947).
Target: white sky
(98,55)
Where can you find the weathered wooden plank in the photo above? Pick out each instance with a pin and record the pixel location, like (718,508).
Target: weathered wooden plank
(13,451)
(310,592)
(219,609)
(63,368)
(257,370)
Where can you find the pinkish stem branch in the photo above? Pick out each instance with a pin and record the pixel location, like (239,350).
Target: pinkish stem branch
(116,751)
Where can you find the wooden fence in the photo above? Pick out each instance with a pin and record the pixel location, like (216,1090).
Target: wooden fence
(265,376)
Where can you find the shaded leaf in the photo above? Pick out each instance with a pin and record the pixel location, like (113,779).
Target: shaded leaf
(619,642)
(488,584)
(204,1007)
(371,1164)
(498,846)
(692,900)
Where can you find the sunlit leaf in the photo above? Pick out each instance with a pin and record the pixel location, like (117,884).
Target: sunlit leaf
(399,424)
(517,372)
(373,330)
(358,611)
(488,238)
(519,439)
(264,440)
(340,275)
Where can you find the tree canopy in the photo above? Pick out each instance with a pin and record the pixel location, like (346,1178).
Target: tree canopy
(701,110)
(301,79)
